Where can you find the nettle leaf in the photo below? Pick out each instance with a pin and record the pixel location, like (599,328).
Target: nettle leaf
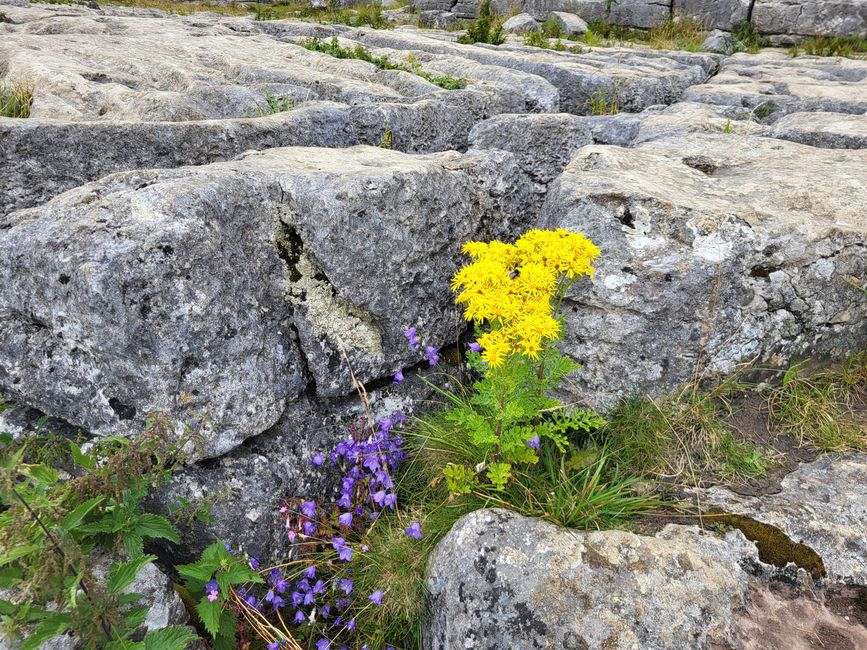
(199,571)
(133,544)
(135,616)
(209,613)
(46,476)
(9,576)
(47,628)
(80,458)
(123,574)
(18,552)
(74,518)
(169,638)
(155,526)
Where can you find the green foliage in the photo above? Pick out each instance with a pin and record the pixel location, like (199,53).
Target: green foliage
(683,435)
(55,534)
(603,104)
(508,412)
(831,46)
(485,28)
(749,36)
(819,408)
(333,48)
(15,100)
(275,104)
(364,15)
(764,110)
(227,571)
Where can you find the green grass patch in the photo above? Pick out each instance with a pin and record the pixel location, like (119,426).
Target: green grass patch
(685,34)
(15,100)
(333,48)
(749,37)
(683,437)
(603,103)
(485,28)
(847,46)
(822,408)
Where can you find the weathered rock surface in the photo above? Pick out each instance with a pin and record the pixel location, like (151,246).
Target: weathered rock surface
(521,24)
(499,580)
(770,85)
(801,17)
(827,130)
(714,14)
(822,504)
(703,242)
(569,24)
(543,144)
(180,301)
(721,42)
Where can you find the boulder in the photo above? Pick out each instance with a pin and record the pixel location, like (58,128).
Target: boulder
(714,14)
(721,42)
(218,293)
(499,580)
(568,24)
(808,18)
(521,24)
(436,19)
(713,254)
(826,130)
(822,505)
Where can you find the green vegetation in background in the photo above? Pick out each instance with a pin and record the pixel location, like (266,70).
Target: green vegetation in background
(333,48)
(846,46)
(485,28)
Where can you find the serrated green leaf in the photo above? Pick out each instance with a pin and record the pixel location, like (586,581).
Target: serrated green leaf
(47,629)
(18,552)
(74,518)
(201,571)
(9,576)
(80,458)
(123,574)
(133,544)
(169,638)
(155,526)
(46,476)
(209,613)
(135,616)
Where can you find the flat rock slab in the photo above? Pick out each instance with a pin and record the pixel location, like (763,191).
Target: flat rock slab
(716,249)
(219,292)
(771,84)
(822,504)
(827,130)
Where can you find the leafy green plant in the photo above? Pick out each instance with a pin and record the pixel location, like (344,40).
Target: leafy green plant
(485,28)
(749,36)
(275,104)
(333,48)
(57,535)
(213,580)
(15,100)
(603,104)
(833,46)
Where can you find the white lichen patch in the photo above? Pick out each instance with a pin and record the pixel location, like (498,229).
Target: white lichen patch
(330,315)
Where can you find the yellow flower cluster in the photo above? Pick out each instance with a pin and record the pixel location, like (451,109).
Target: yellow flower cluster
(510,286)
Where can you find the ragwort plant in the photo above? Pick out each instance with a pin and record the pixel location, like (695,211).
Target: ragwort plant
(354,577)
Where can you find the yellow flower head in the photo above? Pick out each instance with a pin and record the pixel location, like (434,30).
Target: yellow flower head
(511,287)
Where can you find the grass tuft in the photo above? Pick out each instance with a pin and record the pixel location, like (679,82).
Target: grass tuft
(847,46)
(484,29)
(15,100)
(820,408)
